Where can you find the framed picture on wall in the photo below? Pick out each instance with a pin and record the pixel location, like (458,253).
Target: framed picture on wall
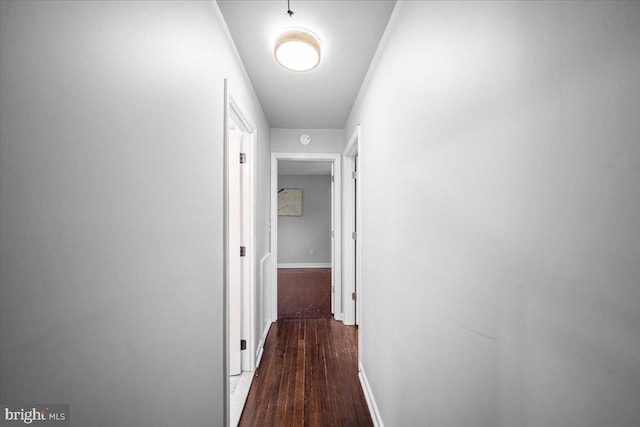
(290,202)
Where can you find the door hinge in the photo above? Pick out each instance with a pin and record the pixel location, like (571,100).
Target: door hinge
(354,296)
(354,174)
(333,234)
(243,158)
(243,344)
(243,251)
(354,235)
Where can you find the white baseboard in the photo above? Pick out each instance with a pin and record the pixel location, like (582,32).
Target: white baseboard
(371,402)
(260,350)
(305,265)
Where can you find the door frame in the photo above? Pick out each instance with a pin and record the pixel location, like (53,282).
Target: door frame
(232,110)
(351,202)
(336,251)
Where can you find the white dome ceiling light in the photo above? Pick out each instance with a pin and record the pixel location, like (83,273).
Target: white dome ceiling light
(297,49)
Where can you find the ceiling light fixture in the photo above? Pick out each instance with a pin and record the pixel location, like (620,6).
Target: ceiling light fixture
(297,49)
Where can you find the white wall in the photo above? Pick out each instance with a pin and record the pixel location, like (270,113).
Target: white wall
(500,153)
(322,141)
(298,236)
(111,207)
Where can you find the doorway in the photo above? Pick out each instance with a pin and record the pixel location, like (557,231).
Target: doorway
(239,255)
(309,159)
(352,243)
(305,225)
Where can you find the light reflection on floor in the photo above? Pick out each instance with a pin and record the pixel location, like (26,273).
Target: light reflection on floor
(238,390)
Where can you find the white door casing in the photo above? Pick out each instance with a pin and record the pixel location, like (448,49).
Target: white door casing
(240,134)
(351,195)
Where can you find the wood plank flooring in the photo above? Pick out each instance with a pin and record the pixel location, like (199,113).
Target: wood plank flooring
(308,376)
(304,293)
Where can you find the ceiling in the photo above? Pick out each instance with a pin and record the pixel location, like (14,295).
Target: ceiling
(349,32)
(293,167)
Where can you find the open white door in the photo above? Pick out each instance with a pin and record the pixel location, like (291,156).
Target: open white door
(333,240)
(354,176)
(235,258)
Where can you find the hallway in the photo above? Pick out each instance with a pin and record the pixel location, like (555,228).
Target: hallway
(308,376)
(498,187)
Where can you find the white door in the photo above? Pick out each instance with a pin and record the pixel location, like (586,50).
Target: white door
(355,246)
(235,259)
(333,242)
(245,241)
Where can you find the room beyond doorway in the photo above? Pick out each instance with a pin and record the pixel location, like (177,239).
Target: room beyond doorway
(305,226)
(307,186)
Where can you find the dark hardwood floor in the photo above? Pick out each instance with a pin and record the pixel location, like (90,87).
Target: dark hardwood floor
(308,376)
(304,293)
